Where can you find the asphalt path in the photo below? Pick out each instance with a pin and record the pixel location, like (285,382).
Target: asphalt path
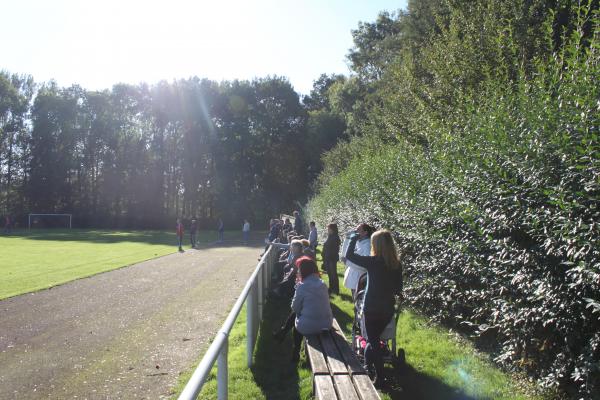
(123,334)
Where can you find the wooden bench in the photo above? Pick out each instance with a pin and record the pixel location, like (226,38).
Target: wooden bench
(337,373)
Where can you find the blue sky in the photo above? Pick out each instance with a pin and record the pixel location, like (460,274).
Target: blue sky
(97,44)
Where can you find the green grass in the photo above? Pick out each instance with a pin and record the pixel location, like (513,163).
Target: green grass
(271,377)
(441,365)
(35,260)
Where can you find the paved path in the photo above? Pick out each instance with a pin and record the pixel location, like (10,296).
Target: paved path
(124,334)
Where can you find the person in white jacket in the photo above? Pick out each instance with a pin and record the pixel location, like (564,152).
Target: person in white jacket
(363,247)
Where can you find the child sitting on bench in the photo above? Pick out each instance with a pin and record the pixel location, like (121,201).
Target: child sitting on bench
(311,311)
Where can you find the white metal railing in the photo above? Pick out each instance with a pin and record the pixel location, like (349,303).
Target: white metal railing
(256,292)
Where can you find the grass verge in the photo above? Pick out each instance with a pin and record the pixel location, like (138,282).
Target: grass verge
(271,377)
(440,364)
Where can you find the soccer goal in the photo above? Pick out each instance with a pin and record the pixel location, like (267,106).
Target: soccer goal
(50,221)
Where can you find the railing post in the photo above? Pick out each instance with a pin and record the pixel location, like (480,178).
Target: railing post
(265,277)
(222,371)
(250,318)
(256,321)
(260,282)
(272,260)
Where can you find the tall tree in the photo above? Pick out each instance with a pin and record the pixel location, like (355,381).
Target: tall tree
(16,92)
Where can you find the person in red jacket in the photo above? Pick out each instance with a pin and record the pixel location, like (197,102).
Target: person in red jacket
(7,224)
(180,233)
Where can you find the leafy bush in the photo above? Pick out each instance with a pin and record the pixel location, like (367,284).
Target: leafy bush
(499,215)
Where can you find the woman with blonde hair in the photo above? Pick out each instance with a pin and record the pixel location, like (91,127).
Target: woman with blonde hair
(384,281)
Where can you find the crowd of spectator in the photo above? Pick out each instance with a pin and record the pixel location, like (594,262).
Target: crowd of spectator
(193,227)
(365,252)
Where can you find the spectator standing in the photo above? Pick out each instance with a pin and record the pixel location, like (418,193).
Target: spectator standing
(180,233)
(246,231)
(274,229)
(384,281)
(363,248)
(331,249)
(220,230)
(298,223)
(287,225)
(7,224)
(193,230)
(313,236)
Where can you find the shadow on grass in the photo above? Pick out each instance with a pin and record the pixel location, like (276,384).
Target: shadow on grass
(346,297)
(408,383)
(344,319)
(232,238)
(272,370)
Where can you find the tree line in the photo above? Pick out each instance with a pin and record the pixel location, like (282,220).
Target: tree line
(138,156)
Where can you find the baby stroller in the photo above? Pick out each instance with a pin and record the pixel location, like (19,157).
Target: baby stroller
(390,353)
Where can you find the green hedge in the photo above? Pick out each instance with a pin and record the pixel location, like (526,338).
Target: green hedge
(499,217)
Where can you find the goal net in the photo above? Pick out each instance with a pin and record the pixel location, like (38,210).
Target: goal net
(46,221)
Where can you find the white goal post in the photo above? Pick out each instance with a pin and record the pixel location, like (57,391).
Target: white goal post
(50,215)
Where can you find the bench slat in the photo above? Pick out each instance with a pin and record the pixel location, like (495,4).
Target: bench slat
(365,387)
(336,370)
(324,388)
(315,355)
(334,358)
(346,351)
(345,388)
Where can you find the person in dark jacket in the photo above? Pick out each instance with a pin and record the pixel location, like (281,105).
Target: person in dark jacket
(313,235)
(287,225)
(179,231)
(220,230)
(298,223)
(384,281)
(193,231)
(331,248)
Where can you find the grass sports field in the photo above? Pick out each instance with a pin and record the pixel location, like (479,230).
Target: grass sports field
(35,260)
